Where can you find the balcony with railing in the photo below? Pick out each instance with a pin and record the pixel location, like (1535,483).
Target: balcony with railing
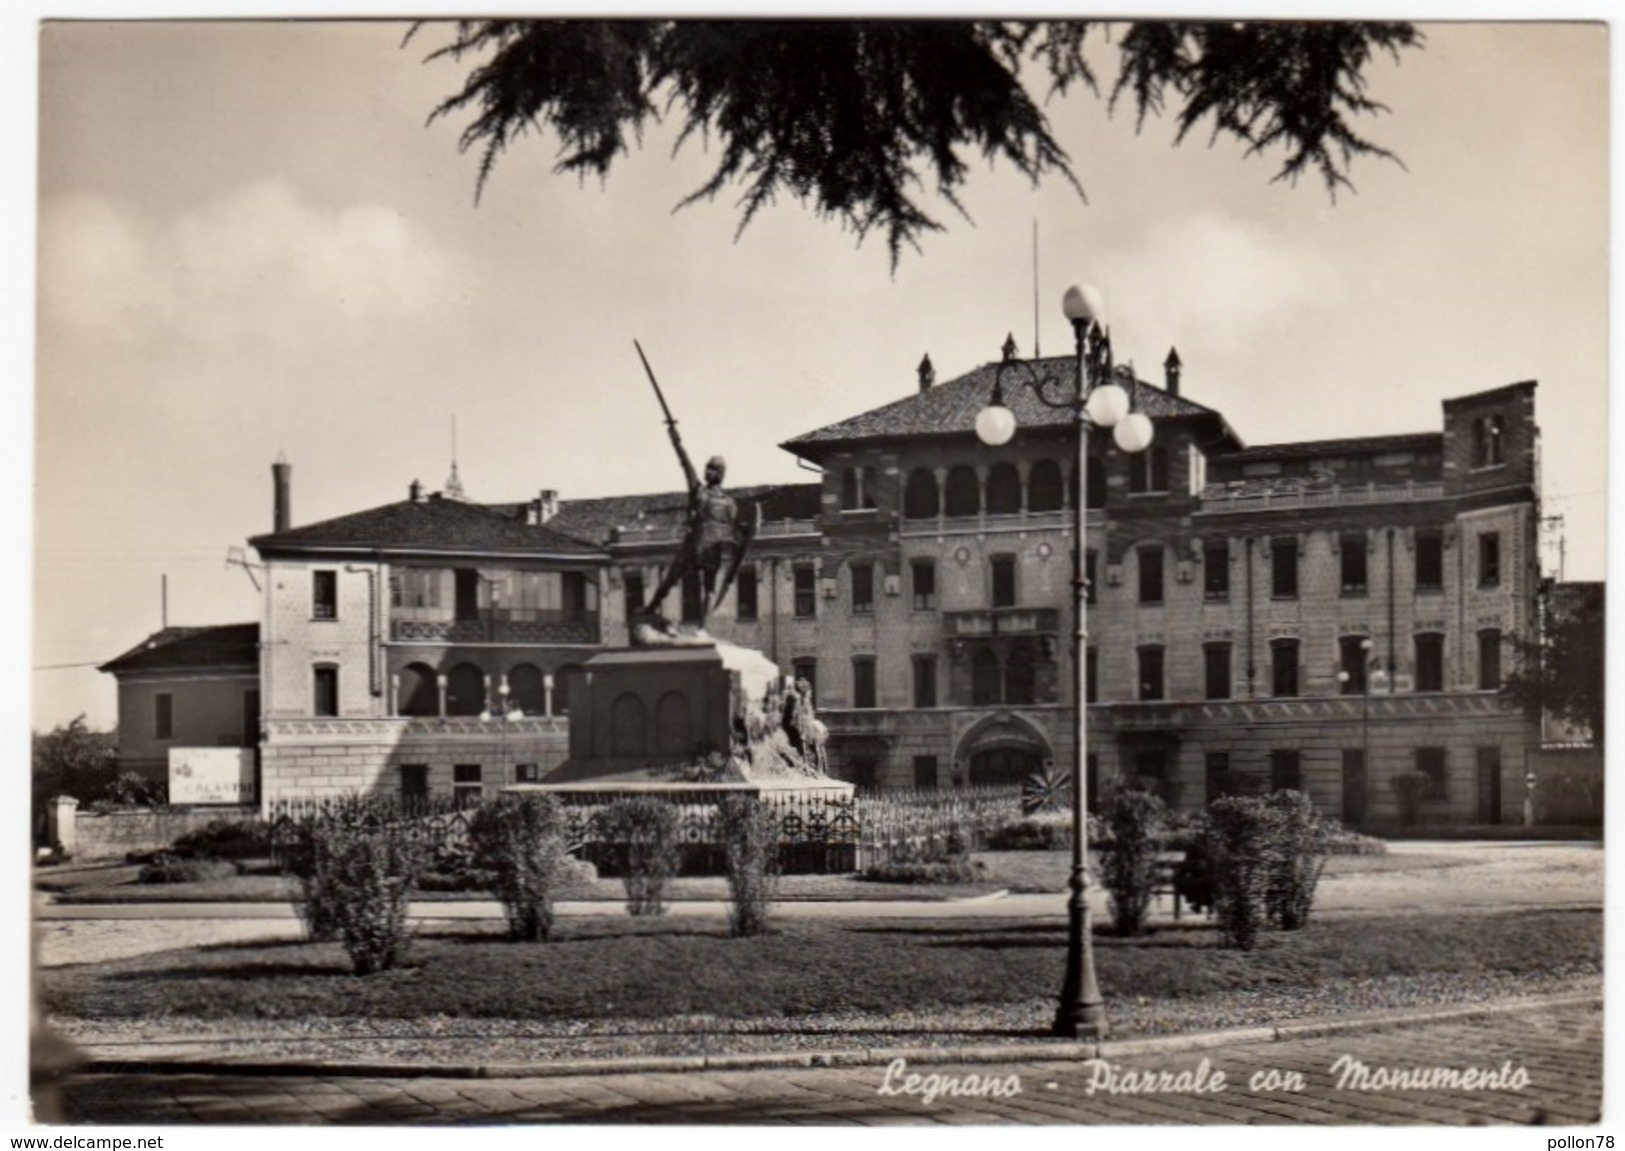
(501,625)
(1001,621)
(672,533)
(1296,494)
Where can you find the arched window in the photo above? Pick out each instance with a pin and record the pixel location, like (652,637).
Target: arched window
(1020,675)
(1044,487)
(1003,490)
(564,681)
(419,692)
(1097,482)
(526,691)
(673,725)
(964,492)
(627,720)
(920,497)
(465,690)
(984,678)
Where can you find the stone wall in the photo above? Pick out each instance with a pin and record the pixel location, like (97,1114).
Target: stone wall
(86,835)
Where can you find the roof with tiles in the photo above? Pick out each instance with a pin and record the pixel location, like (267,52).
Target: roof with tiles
(187,648)
(597,519)
(434,524)
(1365,445)
(950,408)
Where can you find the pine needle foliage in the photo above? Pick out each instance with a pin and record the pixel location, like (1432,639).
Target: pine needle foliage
(853,119)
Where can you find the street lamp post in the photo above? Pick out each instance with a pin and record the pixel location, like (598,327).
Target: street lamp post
(1094,399)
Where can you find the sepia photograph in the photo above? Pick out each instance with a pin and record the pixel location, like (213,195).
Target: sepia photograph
(817,572)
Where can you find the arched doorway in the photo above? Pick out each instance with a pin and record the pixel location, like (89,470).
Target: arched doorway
(419,691)
(526,690)
(673,725)
(465,690)
(1002,750)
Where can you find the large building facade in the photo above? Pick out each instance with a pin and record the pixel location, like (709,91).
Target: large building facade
(1324,615)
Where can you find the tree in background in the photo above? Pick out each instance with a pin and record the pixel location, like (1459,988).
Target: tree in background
(1560,673)
(71,759)
(850,117)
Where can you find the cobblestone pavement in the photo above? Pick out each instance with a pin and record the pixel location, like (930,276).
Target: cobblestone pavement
(1560,1052)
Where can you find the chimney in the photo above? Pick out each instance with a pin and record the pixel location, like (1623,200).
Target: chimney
(281,511)
(414,492)
(928,374)
(1170,372)
(547,506)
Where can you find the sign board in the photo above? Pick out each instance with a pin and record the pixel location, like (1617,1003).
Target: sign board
(1381,684)
(211,775)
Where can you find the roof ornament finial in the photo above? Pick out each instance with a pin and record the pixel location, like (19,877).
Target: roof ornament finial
(454,484)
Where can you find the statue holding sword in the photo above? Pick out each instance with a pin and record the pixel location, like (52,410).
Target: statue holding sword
(716,534)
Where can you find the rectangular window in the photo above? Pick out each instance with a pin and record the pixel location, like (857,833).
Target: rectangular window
(414,782)
(806,671)
(1091,683)
(1352,551)
(923,578)
(1151,575)
(806,592)
(745,598)
(925,771)
(1431,762)
(527,773)
(1284,667)
(1216,570)
(1430,663)
(415,587)
(1489,660)
(1489,559)
(324,595)
(1148,471)
(1286,771)
(1151,673)
(466,787)
(327,690)
(1429,560)
(1353,656)
(693,596)
(633,581)
(1216,666)
(163,716)
(1089,558)
(1284,568)
(863,770)
(863,589)
(863,681)
(925,681)
(1004,581)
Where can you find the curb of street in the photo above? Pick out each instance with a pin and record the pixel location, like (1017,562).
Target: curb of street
(857,1057)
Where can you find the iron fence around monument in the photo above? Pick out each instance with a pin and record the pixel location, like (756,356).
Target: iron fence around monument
(825,833)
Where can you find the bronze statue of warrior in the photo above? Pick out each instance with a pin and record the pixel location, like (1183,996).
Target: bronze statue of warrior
(715,536)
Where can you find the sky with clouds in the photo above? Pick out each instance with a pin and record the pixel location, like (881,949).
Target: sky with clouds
(251,243)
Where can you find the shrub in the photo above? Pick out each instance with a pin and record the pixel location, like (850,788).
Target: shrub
(1297,855)
(956,870)
(1050,831)
(517,844)
(226,839)
(750,842)
(174,869)
(1237,844)
(1408,788)
(643,834)
(1128,857)
(356,871)
(1342,841)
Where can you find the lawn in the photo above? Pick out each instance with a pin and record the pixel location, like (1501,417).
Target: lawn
(606,969)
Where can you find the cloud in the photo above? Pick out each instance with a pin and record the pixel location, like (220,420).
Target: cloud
(261,263)
(1217,282)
